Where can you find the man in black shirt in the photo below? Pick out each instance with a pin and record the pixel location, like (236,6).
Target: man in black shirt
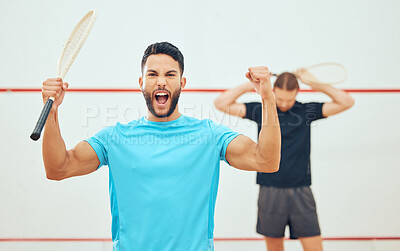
(285,196)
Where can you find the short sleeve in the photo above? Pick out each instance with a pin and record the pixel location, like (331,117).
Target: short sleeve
(100,142)
(253,111)
(313,111)
(222,136)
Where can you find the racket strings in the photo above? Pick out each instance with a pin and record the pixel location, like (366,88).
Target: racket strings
(75,43)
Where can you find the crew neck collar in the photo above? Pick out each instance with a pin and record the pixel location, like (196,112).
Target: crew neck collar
(164,122)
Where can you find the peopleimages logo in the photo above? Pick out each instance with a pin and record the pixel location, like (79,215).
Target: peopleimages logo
(104,115)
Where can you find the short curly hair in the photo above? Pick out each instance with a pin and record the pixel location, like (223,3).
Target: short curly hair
(164,48)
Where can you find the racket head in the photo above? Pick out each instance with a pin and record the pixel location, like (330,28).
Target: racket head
(327,73)
(75,42)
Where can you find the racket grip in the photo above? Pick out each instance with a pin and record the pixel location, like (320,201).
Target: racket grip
(42,120)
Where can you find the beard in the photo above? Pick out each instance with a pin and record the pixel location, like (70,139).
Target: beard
(149,97)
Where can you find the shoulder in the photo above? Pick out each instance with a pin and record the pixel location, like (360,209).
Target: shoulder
(217,128)
(307,105)
(311,106)
(102,137)
(188,121)
(210,123)
(203,124)
(119,128)
(191,120)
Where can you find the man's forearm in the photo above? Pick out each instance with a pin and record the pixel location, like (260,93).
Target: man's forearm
(338,96)
(53,147)
(269,141)
(230,96)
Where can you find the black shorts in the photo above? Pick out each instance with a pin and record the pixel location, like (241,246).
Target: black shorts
(281,207)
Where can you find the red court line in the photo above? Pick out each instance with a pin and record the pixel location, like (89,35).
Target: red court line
(324,238)
(55,239)
(371,238)
(185,90)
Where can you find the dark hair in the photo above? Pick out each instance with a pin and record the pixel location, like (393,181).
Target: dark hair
(164,48)
(287,81)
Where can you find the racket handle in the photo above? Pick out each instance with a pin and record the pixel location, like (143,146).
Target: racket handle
(42,120)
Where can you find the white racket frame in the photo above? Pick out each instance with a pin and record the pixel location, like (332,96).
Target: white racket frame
(327,64)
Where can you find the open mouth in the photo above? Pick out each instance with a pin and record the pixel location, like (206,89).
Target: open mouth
(161,97)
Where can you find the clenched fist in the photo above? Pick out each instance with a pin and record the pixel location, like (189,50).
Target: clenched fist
(259,77)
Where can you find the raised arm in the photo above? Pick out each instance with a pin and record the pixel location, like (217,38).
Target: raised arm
(264,156)
(341,100)
(226,102)
(58,162)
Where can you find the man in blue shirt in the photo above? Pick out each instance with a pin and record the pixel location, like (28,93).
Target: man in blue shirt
(164,167)
(285,197)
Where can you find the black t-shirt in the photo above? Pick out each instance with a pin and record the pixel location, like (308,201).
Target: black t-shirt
(294,168)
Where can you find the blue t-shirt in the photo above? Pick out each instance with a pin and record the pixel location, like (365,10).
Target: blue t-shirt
(295,167)
(163,180)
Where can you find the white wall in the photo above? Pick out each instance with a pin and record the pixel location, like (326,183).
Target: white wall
(219,39)
(354,155)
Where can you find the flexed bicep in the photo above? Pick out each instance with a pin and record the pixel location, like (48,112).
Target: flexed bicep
(243,153)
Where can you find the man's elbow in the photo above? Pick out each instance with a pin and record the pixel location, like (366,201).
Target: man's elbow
(219,105)
(270,166)
(273,168)
(55,175)
(349,102)
(54,178)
